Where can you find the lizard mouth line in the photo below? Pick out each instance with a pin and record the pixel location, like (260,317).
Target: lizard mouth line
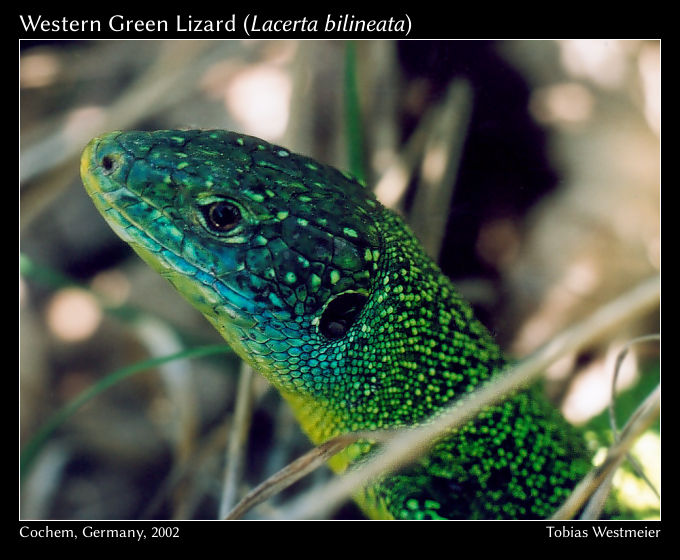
(168,261)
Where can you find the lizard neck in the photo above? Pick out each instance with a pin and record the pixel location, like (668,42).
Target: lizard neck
(415,347)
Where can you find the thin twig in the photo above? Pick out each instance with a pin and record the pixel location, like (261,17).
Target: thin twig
(439,169)
(617,368)
(178,381)
(391,187)
(188,472)
(414,443)
(38,440)
(237,439)
(301,467)
(612,416)
(49,165)
(597,501)
(641,419)
(379,71)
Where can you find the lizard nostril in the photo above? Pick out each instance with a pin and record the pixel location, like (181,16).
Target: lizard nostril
(108,164)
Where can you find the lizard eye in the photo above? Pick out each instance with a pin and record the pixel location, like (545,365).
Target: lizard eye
(340,314)
(221,216)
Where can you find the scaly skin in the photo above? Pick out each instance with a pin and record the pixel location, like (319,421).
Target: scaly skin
(329,295)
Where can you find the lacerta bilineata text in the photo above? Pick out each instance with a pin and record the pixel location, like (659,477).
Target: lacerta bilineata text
(329,295)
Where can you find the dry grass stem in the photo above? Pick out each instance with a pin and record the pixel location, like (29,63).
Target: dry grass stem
(439,168)
(612,402)
(598,499)
(237,439)
(300,468)
(644,416)
(54,157)
(189,473)
(390,189)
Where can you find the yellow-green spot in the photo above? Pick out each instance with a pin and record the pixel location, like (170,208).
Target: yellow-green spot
(335,277)
(290,277)
(302,222)
(304,198)
(239,141)
(257,197)
(182,165)
(235,240)
(282,215)
(314,281)
(349,232)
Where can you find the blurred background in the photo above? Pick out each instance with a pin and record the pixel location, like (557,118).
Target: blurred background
(529,169)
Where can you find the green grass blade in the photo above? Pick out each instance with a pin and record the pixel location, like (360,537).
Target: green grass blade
(128,314)
(55,280)
(355,147)
(35,445)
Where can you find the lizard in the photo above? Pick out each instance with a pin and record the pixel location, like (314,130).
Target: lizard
(330,296)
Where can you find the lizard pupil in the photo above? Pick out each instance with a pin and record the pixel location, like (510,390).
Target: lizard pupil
(340,314)
(221,216)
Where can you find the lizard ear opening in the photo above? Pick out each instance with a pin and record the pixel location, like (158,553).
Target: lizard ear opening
(340,314)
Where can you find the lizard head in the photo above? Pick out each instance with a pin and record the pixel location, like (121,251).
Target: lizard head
(278,251)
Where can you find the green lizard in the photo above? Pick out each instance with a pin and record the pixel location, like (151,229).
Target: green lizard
(329,295)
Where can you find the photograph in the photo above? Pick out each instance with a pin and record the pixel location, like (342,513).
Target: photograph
(337,278)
